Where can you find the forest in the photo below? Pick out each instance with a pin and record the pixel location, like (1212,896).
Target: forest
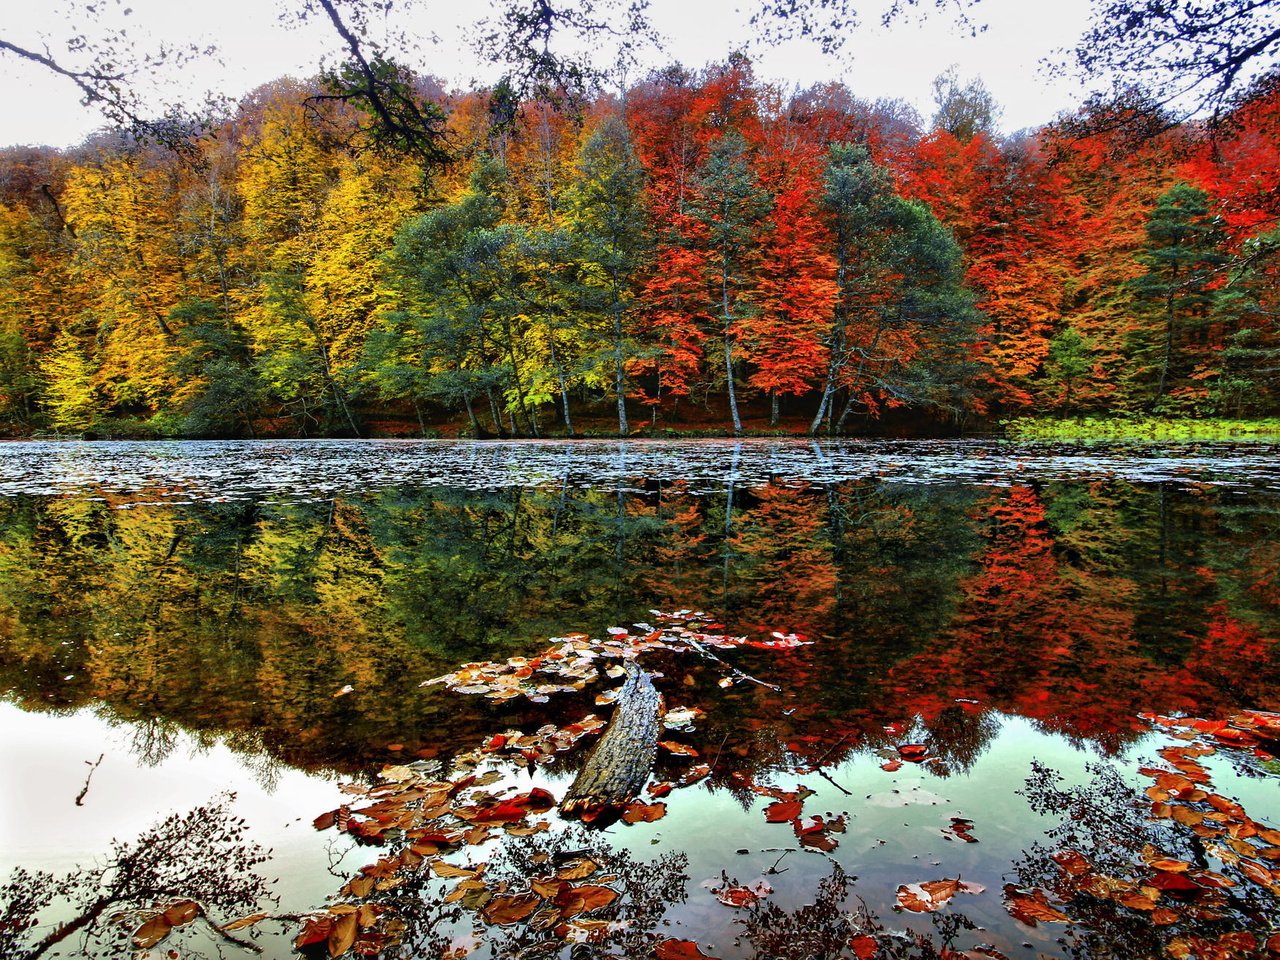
(702,252)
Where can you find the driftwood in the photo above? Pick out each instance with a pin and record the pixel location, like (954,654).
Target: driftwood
(621,761)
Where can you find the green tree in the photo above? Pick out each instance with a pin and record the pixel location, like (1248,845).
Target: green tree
(219,391)
(903,321)
(731,207)
(607,219)
(457,270)
(1180,293)
(1069,361)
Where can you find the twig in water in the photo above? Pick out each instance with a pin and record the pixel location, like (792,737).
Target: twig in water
(85,789)
(732,669)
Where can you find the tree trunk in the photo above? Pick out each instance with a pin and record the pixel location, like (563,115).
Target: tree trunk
(619,375)
(774,412)
(620,763)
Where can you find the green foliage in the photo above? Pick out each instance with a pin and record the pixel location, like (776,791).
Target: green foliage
(1138,428)
(220,392)
(1180,293)
(1070,360)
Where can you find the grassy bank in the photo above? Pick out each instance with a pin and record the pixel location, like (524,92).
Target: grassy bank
(1141,428)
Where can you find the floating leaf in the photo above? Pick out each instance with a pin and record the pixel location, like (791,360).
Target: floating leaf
(577,869)
(671,949)
(505,910)
(960,828)
(864,947)
(182,912)
(1031,906)
(644,812)
(244,922)
(933,894)
(152,932)
(738,895)
(783,811)
(343,935)
(679,749)
(584,899)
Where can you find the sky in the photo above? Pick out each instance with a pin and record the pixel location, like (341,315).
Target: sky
(255,46)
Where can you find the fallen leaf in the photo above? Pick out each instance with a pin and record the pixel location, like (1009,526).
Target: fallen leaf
(737,896)
(933,894)
(151,932)
(343,935)
(584,899)
(1031,906)
(671,949)
(510,909)
(783,811)
(182,912)
(244,922)
(644,812)
(577,869)
(864,947)
(679,749)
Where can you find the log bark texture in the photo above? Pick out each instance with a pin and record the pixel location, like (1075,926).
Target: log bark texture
(620,763)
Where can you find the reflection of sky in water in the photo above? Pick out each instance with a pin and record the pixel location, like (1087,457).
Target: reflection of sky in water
(894,833)
(307,469)
(47,758)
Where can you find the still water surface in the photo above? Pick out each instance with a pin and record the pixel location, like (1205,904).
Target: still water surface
(986,626)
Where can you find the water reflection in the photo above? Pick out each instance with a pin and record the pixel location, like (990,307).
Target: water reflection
(956,630)
(310,625)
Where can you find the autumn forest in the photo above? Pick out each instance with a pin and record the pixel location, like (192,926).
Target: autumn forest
(704,251)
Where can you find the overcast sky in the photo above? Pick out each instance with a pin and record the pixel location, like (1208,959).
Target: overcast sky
(256,47)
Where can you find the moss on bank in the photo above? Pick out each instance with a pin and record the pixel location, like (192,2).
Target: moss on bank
(1142,428)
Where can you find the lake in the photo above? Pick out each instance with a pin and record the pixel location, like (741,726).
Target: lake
(959,699)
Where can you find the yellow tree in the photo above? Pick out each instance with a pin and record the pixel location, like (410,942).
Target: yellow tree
(128,260)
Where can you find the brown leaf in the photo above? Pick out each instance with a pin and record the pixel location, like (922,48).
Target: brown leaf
(1031,906)
(442,869)
(243,922)
(152,932)
(511,908)
(644,812)
(546,887)
(343,934)
(584,899)
(671,949)
(577,869)
(182,912)
(933,894)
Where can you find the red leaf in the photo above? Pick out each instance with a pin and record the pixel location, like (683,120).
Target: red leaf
(863,947)
(644,812)
(670,949)
(783,811)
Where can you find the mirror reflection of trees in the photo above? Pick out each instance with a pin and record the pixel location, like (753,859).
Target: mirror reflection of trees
(308,626)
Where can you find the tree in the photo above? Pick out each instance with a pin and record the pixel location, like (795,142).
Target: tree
(1180,293)
(903,324)
(731,207)
(607,219)
(458,265)
(1192,56)
(69,392)
(964,111)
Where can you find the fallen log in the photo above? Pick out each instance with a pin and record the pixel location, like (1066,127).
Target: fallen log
(620,763)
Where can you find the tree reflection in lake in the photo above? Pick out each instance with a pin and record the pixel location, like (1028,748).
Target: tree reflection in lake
(938,617)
